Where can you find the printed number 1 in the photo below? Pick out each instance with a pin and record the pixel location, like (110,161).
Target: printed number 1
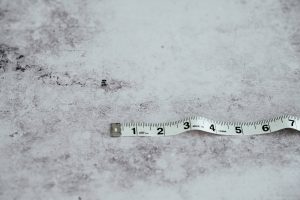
(133,129)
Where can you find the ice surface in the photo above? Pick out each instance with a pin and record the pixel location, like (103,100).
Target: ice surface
(232,60)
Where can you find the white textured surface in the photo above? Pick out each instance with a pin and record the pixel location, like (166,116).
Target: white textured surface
(163,60)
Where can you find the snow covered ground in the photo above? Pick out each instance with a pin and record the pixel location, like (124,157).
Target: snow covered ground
(230,60)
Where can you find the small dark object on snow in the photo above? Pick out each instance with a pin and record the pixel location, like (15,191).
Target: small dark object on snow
(103,83)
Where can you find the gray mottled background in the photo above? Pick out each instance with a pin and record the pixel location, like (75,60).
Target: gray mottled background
(231,60)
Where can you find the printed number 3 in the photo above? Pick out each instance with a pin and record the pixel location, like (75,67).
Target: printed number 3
(186,125)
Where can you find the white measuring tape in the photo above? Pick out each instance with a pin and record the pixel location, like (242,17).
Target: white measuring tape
(207,125)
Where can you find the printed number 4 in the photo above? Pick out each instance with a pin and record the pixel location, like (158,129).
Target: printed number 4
(133,130)
(212,127)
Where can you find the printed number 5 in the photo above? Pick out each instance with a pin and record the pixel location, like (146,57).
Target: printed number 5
(238,129)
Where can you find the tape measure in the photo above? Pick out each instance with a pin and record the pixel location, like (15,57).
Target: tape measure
(207,125)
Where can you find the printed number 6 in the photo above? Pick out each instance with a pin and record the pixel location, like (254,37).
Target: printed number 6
(265,127)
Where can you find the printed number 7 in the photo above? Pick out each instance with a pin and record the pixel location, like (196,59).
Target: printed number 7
(293,121)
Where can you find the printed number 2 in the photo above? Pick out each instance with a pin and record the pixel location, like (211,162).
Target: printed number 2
(160,131)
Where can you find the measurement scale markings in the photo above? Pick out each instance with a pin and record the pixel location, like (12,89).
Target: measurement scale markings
(208,125)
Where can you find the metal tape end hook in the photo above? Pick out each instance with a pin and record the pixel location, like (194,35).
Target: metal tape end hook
(115,130)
